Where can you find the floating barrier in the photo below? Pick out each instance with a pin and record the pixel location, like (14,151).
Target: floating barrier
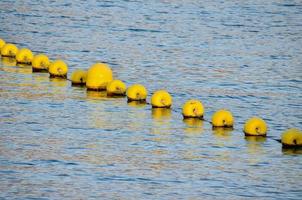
(291,138)
(223,118)
(9,50)
(98,76)
(58,69)
(2,43)
(193,109)
(78,78)
(137,92)
(40,63)
(24,56)
(116,88)
(255,127)
(161,99)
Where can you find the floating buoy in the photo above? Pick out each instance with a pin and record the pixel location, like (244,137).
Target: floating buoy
(24,56)
(2,43)
(193,109)
(78,77)
(98,76)
(255,127)
(137,92)
(116,88)
(291,138)
(40,63)
(58,69)
(9,50)
(222,118)
(161,99)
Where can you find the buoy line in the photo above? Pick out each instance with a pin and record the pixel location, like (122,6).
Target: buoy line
(99,77)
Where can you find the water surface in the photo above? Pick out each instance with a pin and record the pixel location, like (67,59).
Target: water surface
(61,142)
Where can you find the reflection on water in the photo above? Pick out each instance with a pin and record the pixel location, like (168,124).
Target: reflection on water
(9,62)
(63,142)
(96,95)
(193,126)
(255,144)
(292,151)
(222,132)
(137,104)
(161,114)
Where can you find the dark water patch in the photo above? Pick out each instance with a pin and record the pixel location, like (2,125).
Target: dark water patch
(145,30)
(23,163)
(8,172)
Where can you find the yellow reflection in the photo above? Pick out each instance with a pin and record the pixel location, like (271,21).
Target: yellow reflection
(255,139)
(23,65)
(194,126)
(96,95)
(222,132)
(160,114)
(41,78)
(9,65)
(24,70)
(161,122)
(9,62)
(137,104)
(292,151)
(58,82)
(255,148)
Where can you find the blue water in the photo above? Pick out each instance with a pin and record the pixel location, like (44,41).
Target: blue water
(61,142)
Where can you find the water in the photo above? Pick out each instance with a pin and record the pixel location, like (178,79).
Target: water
(60,142)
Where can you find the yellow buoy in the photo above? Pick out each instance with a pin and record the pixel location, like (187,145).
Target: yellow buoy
(24,56)
(222,118)
(255,127)
(116,88)
(98,76)
(193,109)
(2,43)
(292,138)
(137,92)
(161,99)
(78,77)
(9,50)
(58,69)
(40,63)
